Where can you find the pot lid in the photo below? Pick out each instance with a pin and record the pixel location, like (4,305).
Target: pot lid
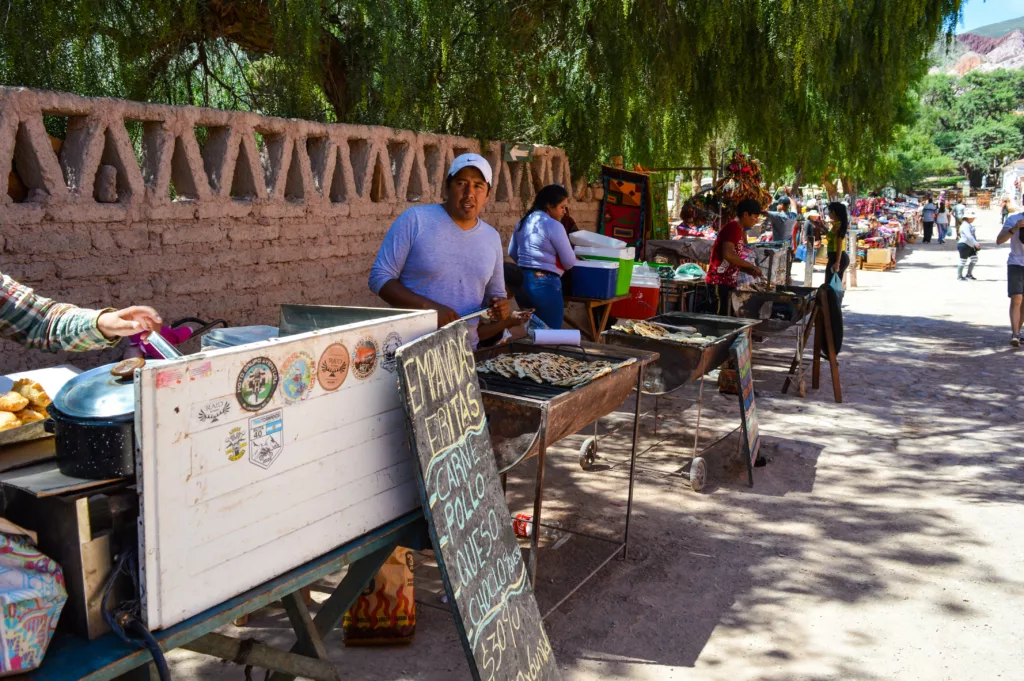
(97,394)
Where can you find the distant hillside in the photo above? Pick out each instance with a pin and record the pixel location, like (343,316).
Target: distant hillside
(1000,29)
(996,46)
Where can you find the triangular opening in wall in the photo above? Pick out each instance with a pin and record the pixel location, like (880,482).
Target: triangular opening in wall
(294,188)
(432,159)
(243,184)
(359,157)
(503,183)
(318,151)
(25,178)
(339,191)
(400,154)
(271,149)
(213,147)
(521,180)
(378,192)
(110,185)
(182,185)
(557,166)
(537,172)
(418,188)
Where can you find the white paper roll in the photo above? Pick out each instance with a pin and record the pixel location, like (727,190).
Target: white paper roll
(556,337)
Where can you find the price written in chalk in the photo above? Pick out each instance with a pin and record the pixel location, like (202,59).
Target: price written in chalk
(477,551)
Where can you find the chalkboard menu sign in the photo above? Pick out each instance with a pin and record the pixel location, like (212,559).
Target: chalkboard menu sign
(480,560)
(748,408)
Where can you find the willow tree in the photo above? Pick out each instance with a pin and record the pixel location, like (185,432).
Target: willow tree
(814,84)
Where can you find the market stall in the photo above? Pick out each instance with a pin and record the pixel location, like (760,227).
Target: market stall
(689,346)
(529,409)
(266,455)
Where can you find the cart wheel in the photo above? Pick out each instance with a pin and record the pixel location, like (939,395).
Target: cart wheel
(588,453)
(698,474)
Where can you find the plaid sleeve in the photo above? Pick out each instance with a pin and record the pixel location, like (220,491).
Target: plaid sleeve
(43,324)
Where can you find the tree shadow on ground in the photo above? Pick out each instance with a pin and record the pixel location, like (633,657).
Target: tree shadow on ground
(934,424)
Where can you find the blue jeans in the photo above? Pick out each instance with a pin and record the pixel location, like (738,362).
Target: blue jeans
(542,291)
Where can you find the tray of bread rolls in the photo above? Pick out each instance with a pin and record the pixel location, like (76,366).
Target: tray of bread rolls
(24,399)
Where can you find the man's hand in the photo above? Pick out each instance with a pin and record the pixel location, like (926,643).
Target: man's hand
(499,309)
(755,271)
(445,315)
(128,322)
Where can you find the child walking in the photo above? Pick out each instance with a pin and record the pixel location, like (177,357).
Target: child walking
(968,247)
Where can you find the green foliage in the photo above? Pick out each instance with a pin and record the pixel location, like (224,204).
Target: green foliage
(809,85)
(970,123)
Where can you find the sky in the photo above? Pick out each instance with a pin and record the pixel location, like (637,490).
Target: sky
(978,13)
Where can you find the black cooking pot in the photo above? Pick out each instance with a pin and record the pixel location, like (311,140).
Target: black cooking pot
(93,419)
(93,422)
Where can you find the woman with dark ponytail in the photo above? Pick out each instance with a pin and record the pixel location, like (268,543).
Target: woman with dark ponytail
(835,240)
(542,250)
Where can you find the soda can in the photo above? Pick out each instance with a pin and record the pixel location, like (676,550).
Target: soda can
(522,525)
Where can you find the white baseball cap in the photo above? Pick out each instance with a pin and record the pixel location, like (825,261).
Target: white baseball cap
(471,161)
(970,213)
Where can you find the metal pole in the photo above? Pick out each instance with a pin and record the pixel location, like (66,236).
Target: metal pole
(700,405)
(632,459)
(538,499)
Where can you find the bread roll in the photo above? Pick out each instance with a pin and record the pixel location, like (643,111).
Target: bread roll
(8,421)
(29,415)
(13,401)
(26,387)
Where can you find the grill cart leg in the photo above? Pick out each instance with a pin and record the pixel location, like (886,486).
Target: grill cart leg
(698,474)
(700,405)
(796,369)
(632,459)
(538,500)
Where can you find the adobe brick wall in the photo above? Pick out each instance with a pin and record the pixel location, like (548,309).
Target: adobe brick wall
(267,211)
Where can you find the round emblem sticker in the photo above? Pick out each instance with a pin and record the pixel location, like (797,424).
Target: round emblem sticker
(364,359)
(391,345)
(332,369)
(256,384)
(298,377)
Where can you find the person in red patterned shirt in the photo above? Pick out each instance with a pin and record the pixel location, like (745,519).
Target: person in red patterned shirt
(726,262)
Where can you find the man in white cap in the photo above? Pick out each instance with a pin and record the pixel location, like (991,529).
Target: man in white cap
(443,257)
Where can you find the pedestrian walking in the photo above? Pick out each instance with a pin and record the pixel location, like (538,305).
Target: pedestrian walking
(928,219)
(967,245)
(942,222)
(1013,231)
(1004,211)
(835,240)
(959,211)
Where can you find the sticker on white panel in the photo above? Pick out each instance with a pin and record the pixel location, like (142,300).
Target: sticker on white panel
(266,438)
(298,377)
(236,443)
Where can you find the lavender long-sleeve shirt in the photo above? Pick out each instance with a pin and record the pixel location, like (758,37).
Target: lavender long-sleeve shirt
(540,243)
(429,254)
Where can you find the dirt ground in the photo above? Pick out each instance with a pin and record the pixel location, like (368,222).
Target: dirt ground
(882,541)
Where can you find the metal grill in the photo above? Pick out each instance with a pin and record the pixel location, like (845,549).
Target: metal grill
(523,387)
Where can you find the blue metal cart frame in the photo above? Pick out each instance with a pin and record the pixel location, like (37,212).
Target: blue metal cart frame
(108,657)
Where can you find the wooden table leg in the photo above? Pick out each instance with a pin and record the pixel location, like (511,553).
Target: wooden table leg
(604,322)
(334,608)
(590,320)
(816,373)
